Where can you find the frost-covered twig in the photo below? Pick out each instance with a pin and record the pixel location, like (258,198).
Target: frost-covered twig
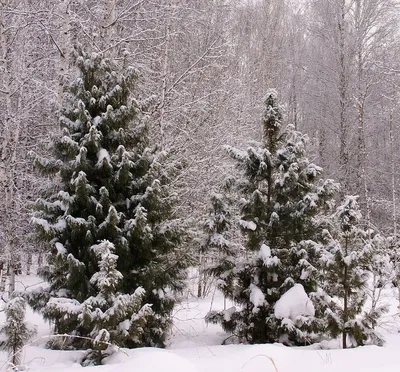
(260,355)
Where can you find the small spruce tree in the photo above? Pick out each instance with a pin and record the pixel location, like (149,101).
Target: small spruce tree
(381,276)
(216,242)
(394,255)
(114,245)
(16,330)
(282,196)
(352,259)
(111,315)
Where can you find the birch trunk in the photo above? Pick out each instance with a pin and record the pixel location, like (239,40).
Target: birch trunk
(343,125)
(7,155)
(109,19)
(164,79)
(65,47)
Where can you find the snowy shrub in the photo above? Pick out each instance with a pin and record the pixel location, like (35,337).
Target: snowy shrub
(16,331)
(352,258)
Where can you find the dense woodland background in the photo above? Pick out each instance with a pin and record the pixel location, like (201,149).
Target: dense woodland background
(207,64)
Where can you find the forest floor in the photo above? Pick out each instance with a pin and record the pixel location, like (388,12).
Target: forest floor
(196,347)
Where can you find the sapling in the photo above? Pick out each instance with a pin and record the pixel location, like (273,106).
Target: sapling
(16,330)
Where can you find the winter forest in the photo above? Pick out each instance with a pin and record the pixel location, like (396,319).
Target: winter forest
(206,176)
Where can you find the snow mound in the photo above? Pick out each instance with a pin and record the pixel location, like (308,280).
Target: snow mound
(265,255)
(249,225)
(265,252)
(101,156)
(257,298)
(293,303)
(148,359)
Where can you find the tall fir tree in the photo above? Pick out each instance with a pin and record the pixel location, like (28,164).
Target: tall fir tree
(108,218)
(282,196)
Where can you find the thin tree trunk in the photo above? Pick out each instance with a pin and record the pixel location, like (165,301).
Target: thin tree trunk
(12,268)
(362,93)
(29,264)
(322,146)
(6,87)
(343,148)
(345,300)
(164,78)
(63,49)
(394,197)
(108,21)
(200,279)
(7,155)
(393,174)
(362,158)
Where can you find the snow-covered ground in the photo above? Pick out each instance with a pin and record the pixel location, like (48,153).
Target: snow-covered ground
(196,347)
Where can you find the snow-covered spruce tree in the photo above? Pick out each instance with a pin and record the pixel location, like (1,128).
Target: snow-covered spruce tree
(216,243)
(394,255)
(16,330)
(112,316)
(282,197)
(108,217)
(352,251)
(382,274)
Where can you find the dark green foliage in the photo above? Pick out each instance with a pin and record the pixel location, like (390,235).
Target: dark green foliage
(282,197)
(112,187)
